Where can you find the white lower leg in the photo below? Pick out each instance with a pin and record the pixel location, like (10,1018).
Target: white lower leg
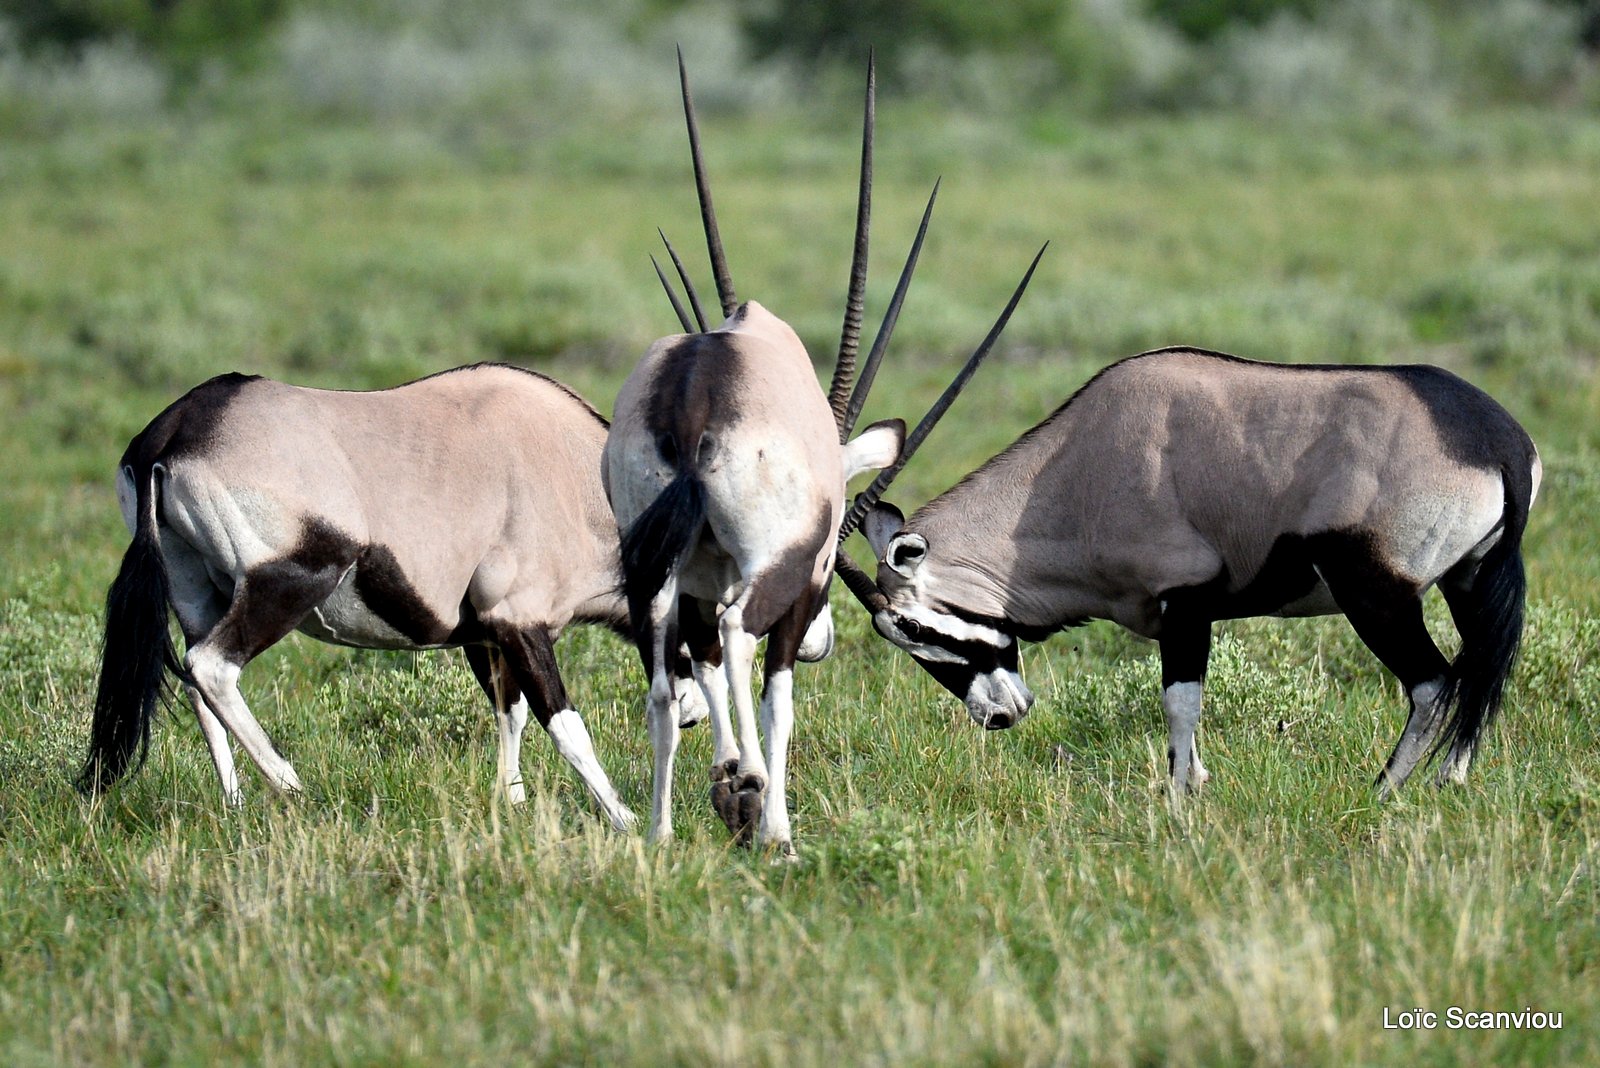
(714,685)
(1457,763)
(777,723)
(511,721)
(664,744)
(572,742)
(1181,702)
(660,714)
(216,736)
(218,682)
(1197,770)
(738,655)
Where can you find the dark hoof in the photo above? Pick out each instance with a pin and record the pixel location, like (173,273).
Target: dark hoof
(737,801)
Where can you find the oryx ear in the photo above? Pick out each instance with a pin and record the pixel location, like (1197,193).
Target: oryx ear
(906,554)
(881,525)
(876,447)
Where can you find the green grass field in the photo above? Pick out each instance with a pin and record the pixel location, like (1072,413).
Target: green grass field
(961,898)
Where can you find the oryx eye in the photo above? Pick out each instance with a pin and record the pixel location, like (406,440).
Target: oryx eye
(910,628)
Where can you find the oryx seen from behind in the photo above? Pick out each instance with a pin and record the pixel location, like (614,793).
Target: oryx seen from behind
(1182,487)
(726,466)
(461,509)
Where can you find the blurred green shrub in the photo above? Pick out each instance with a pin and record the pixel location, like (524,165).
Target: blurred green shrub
(1204,20)
(813,30)
(1406,59)
(185,34)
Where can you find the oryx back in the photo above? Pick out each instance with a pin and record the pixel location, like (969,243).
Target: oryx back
(1183,468)
(419,495)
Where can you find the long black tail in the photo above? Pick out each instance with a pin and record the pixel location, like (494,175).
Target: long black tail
(135,655)
(654,544)
(1489,618)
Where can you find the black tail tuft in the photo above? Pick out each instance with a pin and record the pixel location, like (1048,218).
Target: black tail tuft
(135,656)
(1490,619)
(656,542)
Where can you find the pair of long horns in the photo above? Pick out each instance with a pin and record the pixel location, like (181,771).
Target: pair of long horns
(846,402)
(859,583)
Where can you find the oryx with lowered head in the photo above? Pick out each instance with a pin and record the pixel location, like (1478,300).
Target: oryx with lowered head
(1182,487)
(461,509)
(726,467)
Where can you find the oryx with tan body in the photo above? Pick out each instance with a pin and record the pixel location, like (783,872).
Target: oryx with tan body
(1182,487)
(726,467)
(461,509)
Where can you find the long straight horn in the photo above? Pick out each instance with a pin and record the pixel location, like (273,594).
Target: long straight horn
(869,496)
(688,286)
(676,306)
(708,215)
(880,344)
(844,368)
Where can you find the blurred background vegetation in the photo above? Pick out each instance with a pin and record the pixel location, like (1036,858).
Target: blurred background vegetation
(1413,60)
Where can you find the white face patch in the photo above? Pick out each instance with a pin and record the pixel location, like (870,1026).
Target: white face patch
(885,622)
(956,628)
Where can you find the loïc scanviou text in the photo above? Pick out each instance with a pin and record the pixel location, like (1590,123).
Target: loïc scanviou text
(1456,1018)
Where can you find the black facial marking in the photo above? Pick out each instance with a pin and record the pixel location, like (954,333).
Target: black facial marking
(957,678)
(1023,631)
(983,656)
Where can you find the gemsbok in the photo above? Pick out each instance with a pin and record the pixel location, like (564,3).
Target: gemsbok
(726,467)
(1182,487)
(463,509)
